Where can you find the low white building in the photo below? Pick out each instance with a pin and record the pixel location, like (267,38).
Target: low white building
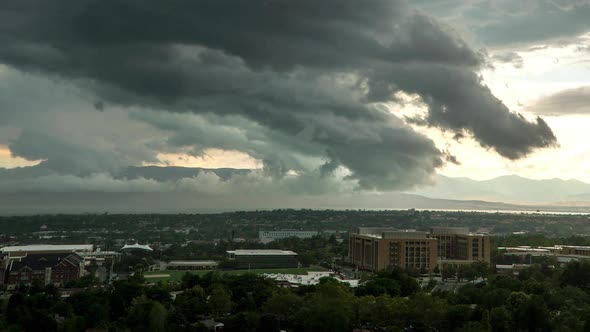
(137,246)
(21,251)
(189,265)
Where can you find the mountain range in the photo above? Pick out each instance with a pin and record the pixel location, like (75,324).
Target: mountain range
(506,193)
(510,189)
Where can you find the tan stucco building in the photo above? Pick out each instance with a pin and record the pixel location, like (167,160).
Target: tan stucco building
(377,248)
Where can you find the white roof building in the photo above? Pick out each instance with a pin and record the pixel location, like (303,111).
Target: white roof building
(137,246)
(261,252)
(49,248)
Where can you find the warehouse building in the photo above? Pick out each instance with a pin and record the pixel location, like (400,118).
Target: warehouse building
(189,265)
(263,259)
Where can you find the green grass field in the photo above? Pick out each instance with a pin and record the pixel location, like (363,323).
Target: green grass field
(170,275)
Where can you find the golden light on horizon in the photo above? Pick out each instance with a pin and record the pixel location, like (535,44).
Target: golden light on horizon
(7,160)
(212,158)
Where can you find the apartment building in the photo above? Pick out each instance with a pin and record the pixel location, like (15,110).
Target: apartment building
(456,244)
(377,248)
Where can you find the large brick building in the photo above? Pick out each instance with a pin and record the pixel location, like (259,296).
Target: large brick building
(53,268)
(377,248)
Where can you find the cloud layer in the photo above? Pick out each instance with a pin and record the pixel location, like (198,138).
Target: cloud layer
(303,86)
(565,102)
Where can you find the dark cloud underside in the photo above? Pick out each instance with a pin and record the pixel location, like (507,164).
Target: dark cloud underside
(309,75)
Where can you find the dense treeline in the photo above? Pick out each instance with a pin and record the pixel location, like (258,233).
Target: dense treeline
(541,298)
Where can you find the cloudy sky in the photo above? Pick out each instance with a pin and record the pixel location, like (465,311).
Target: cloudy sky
(315,97)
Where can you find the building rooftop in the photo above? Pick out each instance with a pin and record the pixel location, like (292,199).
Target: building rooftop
(523,249)
(391,233)
(100,253)
(261,252)
(48,247)
(137,246)
(287,231)
(404,234)
(375,230)
(192,263)
(41,261)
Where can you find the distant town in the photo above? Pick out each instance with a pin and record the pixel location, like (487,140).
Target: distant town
(294,249)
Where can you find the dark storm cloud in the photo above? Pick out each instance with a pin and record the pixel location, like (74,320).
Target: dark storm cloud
(566,102)
(307,72)
(466,104)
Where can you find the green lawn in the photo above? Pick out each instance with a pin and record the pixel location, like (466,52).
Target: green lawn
(177,275)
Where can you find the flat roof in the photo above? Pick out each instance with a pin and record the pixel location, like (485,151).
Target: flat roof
(397,234)
(261,252)
(48,247)
(137,246)
(192,263)
(523,249)
(101,253)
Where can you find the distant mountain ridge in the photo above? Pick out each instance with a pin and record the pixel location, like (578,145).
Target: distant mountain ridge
(506,193)
(511,188)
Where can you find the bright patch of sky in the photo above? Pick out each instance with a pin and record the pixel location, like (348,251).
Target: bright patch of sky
(546,69)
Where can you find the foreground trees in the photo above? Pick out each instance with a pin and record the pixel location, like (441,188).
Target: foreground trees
(539,299)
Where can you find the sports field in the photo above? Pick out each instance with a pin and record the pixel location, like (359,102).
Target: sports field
(173,275)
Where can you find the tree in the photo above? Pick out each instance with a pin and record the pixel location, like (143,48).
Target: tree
(448,271)
(577,274)
(159,293)
(284,304)
(147,315)
(191,303)
(458,315)
(269,323)
(219,301)
(124,291)
(426,312)
(379,286)
(500,320)
(247,321)
(329,309)
(480,269)
(383,311)
(92,305)
(74,324)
